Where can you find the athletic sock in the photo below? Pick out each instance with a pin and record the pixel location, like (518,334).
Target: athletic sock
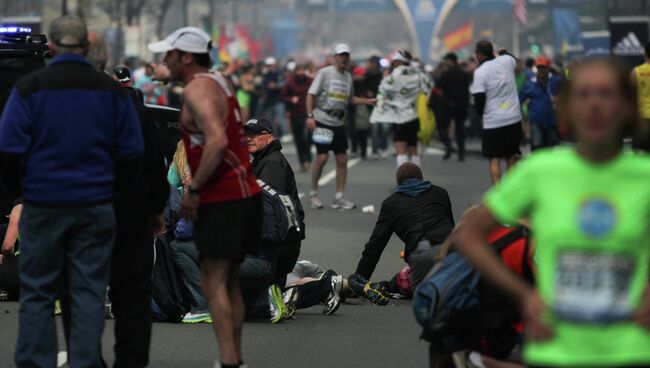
(402,159)
(338,195)
(416,160)
(313,193)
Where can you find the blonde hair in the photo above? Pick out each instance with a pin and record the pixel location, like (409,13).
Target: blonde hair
(180,161)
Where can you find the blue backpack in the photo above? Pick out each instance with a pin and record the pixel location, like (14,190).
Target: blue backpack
(451,287)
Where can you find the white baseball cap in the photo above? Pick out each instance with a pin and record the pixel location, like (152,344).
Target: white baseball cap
(188,39)
(342,48)
(270,61)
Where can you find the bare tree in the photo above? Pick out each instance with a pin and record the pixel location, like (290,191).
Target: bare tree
(163,7)
(134,11)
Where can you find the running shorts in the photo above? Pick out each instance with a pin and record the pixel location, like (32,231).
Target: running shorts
(339,143)
(229,230)
(407,132)
(502,142)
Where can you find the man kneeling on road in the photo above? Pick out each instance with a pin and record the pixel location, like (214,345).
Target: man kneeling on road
(419,213)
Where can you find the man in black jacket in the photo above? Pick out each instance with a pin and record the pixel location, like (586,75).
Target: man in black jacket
(270,165)
(420,214)
(454,83)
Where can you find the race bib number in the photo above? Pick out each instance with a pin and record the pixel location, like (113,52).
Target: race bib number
(593,287)
(323,136)
(338,93)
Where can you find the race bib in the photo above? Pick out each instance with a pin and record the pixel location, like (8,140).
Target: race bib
(338,93)
(592,287)
(323,136)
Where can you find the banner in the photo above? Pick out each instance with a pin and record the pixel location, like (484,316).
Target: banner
(424,19)
(459,38)
(628,36)
(595,43)
(567,30)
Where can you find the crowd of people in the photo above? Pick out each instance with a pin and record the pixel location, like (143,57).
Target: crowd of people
(551,269)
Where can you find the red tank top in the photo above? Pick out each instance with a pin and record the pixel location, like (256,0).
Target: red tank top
(233,179)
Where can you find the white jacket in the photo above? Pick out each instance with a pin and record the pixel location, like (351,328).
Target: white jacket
(398,94)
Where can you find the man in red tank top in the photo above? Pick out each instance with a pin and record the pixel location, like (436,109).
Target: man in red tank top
(223,197)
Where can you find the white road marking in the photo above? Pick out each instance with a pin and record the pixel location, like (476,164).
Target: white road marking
(62,358)
(332,174)
(434,151)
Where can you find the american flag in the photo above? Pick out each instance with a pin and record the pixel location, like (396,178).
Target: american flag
(519,10)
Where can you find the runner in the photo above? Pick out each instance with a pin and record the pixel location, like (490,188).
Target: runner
(398,95)
(327,102)
(592,306)
(222,197)
(641,77)
(496,100)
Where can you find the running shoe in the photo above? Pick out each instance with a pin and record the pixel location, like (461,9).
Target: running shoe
(375,292)
(334,301)
(276,305)
(328,273)
(315,201)
(290,299)
(192,318)
(342,204)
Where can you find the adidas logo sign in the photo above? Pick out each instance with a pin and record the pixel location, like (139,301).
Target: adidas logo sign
(629,46)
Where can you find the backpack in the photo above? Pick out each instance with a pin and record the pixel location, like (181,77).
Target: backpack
(280,223)
(451,287)
(166,289)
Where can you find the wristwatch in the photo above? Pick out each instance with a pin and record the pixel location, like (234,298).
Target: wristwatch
(310,115)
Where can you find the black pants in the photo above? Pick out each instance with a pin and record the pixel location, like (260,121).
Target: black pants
(130,294)
(286,256)
(301,138)
(360,140)
(459,114)
(314,293)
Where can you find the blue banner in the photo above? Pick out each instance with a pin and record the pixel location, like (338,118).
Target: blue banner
(596,43)
(364,5)
(422,17)
(567,30)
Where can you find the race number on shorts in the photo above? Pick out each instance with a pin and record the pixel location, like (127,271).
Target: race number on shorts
(323,136)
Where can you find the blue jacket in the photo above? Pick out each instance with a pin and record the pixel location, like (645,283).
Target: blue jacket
(70,125)
(540,107)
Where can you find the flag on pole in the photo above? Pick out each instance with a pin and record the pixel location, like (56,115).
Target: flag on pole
(519,11)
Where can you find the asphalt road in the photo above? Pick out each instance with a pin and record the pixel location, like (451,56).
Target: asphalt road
(359,334)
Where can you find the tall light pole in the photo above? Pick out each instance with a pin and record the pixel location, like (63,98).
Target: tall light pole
(64,7)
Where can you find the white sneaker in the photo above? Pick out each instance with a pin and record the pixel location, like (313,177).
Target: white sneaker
(342,204)
(334,301)
(290,298)
(315,202)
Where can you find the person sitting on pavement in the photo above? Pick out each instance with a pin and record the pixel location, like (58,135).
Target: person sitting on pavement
(270,166)
(420,214)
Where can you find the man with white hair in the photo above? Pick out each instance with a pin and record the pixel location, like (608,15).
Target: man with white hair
(69,138)
(327,103)
(223,198)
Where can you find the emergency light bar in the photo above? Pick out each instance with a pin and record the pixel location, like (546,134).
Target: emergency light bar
(12,30)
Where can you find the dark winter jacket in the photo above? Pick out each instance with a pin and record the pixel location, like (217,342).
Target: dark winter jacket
(270,166)
(427,216)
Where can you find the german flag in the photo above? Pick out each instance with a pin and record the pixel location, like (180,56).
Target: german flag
(460,37)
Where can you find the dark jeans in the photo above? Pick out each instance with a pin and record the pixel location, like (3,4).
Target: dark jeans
(301,138)
(379,137)
(314,293)
(543,136)
(459,114)
(421,261)
(77,241)
(360,141)
(186,258)
(130,291)
(255,275)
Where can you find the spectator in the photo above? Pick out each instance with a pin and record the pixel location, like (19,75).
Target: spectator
(454,84)
(294,94)
(79,138)
(272,108)
(148,86)
(540,93)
